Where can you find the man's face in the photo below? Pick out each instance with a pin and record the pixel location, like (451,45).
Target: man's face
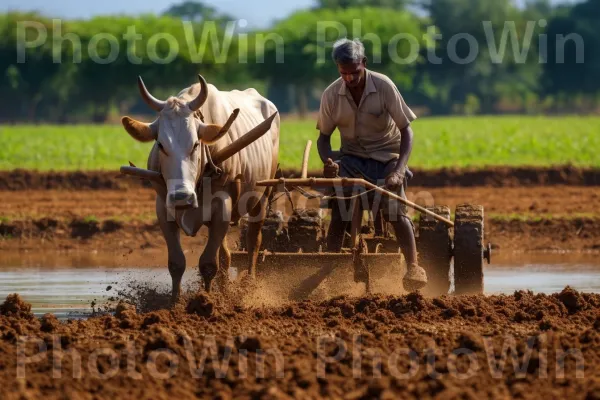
(352,74)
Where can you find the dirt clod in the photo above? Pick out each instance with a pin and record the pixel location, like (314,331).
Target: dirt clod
(571,299)
(124,310)
(14,306)
(49,323)
(201,305)
(368,347)
(250,344)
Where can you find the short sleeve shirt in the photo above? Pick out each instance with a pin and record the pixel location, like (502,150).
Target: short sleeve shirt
(371,129)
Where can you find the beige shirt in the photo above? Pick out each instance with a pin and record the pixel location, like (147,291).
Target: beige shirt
(371,129)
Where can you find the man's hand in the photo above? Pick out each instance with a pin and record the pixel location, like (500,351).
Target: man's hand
(394,181)
(330,170)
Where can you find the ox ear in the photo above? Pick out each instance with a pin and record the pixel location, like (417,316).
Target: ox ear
(140,131)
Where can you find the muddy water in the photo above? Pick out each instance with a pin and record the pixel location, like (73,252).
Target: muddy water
(67,284)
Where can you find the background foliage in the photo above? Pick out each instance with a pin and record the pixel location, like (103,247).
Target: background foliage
(79,89)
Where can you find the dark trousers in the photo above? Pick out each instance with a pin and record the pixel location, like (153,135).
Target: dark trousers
(393,211)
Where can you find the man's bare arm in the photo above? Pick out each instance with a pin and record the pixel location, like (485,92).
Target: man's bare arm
(406,143)
(395,179)
(325,150)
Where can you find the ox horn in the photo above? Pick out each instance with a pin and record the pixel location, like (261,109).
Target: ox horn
(258,131)
(195,104)
(153,102)
(142,173)
(212,133)
(230,120)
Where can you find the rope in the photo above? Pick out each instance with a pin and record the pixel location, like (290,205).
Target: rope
(309,195)
(285,193)
(321,196)
(289,196)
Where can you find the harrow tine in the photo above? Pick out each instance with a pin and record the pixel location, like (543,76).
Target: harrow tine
(308,285)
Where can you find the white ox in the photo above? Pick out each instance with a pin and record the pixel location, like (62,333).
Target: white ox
(188,138)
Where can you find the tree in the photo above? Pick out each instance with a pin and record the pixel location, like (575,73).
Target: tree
(573,65)
(307,63)
(488,74)
(196,11)
(24,85)
(334,4)
(103,75)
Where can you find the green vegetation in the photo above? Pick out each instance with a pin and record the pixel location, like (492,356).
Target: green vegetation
(81,147)
(439,142)
(90,219)
(539,56)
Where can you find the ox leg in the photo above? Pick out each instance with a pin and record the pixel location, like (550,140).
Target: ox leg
(170,232)
(254,232)
(224,264)
(209,260)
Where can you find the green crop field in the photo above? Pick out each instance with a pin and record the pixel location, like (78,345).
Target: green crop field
(439,142)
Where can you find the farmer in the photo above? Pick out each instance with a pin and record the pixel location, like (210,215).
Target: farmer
(376,137)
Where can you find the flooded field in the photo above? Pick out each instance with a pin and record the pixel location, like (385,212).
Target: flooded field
(66,284)
(68,249)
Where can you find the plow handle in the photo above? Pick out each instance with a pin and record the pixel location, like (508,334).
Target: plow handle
(305,159)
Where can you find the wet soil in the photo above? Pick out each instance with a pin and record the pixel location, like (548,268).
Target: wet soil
(247,344)
(580,234)
(208,346)
(447,177)
(138,203)
(517,219)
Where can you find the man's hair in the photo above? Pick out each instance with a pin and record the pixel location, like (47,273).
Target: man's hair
(346,51)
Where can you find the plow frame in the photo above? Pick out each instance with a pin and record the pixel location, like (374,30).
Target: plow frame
(462,241)
(365,264)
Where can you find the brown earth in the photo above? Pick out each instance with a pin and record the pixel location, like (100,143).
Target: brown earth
(409,347)
(514,235)
(445,177)
(138,203)
(518,218)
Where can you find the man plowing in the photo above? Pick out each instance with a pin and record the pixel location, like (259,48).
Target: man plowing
(376,142)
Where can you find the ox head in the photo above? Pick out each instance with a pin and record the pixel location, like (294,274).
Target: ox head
(181,138)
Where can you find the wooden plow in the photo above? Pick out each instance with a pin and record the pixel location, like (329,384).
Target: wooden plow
(442,243)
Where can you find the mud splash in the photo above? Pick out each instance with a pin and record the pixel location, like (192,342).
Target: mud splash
(70,290)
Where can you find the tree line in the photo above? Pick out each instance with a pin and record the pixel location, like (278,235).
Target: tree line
(446,56)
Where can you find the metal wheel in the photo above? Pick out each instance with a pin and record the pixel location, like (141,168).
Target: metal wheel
(305,230)
(434,247)
(469,250)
